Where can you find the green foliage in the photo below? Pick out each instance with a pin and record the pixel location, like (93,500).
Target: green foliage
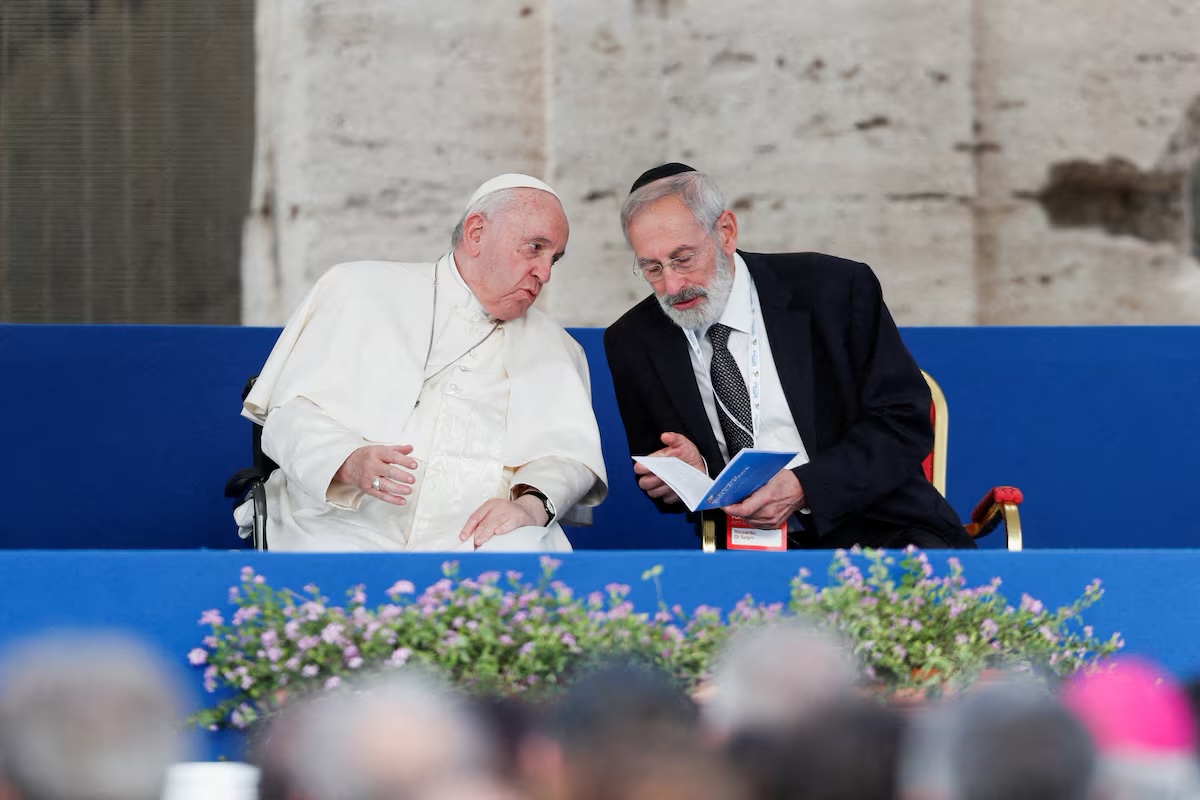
(506,634)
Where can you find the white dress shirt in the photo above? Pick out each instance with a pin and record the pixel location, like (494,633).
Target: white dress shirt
(743,313)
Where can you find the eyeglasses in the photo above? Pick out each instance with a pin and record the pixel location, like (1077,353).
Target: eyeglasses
(652,271)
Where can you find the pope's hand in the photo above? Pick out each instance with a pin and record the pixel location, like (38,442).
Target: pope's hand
(497,517)
(383,466)
(772,503)
(680,447)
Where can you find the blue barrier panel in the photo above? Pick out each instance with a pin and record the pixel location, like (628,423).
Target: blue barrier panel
(1150,597)
(122,436)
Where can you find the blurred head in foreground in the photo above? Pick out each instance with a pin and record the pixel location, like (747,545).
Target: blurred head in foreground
(393,737)
(87,716)
(848,751)
(777,676)
(1142,722)
(1006,741)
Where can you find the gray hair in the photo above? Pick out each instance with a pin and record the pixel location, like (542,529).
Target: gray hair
(1012,741)
(488,205)
(778,675)
(88,717)
(398,734)
(698,192)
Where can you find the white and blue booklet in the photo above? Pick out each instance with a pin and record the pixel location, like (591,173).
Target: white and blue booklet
(749,470)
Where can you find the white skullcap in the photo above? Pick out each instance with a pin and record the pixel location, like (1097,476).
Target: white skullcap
(509,180)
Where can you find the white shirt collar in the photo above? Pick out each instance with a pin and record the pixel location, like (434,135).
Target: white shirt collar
(739,307)
(458,294)
(738,312)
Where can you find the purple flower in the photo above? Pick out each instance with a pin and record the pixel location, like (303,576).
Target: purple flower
(354,663)
(246,614)
(568,640)
(401,587)
(269,638)
(212,617)
(247,573)
(961,639)
(259,580)
(332,633)
(389,612)
(307,643)
(505,639)
(526,649)
(274,654)
(211,642)
(333,682)
(550,564)
(900,652)
(916,626)
(400,657)
(310,670)
(292,664)
(1030,605)
(989,629)
(247,681)
(197,656)
(358,596)
(291,629)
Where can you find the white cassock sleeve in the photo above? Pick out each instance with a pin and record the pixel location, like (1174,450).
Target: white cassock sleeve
(310,447)
(564,480)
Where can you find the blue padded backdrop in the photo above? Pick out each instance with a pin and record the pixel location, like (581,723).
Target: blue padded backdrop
(123,436)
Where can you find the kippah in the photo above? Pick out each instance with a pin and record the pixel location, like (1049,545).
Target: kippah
(665,171)
(509,180)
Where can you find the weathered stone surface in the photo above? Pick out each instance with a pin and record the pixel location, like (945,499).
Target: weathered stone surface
(1103,95)
(377,119)
(829,126)
(1002,161)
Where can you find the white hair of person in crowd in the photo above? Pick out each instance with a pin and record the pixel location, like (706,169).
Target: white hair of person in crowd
(1145,731)
(87,716)
(776,676)
(400,735)
(1009,739)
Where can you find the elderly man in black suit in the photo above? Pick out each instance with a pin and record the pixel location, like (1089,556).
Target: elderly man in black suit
(794,352)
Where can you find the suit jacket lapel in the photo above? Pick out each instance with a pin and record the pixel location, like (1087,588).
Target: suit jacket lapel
(790,333)
(672,361)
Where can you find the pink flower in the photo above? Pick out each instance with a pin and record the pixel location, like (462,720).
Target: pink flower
(332,633)
(401,587)
(310,670)
(989,628)
(354,663)
(247,573)
(274,654)
(212,617)
(197,656)
(333,682)
(400,657)
(308,642)
(245,614)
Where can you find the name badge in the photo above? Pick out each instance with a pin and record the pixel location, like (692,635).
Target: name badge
(740,536)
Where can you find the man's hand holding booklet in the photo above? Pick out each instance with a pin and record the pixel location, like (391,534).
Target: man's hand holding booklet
(749,470)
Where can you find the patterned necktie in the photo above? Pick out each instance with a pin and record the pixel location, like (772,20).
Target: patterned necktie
(730,389)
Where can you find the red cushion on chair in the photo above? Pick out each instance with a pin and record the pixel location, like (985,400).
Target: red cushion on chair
(927,466)
(998,494)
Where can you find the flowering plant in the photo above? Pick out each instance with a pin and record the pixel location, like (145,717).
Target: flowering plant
(508,634)
(911,630)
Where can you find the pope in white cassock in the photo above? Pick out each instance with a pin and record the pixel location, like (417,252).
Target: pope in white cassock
(429,406)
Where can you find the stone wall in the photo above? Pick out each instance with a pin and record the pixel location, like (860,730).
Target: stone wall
(996,161)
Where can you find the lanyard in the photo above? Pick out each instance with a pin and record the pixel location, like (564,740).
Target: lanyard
(755,370)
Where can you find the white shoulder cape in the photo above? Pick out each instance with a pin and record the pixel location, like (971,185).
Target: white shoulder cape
(356,348)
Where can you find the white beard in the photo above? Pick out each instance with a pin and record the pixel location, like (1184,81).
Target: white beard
(715,295)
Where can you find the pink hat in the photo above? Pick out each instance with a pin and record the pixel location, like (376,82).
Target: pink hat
(1131,705)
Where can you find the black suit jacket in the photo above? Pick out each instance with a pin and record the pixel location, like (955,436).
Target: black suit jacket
(857,397)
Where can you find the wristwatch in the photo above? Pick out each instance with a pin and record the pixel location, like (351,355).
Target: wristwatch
(546,504)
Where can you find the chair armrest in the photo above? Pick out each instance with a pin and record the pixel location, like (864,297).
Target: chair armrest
(577,516)
(998,505)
